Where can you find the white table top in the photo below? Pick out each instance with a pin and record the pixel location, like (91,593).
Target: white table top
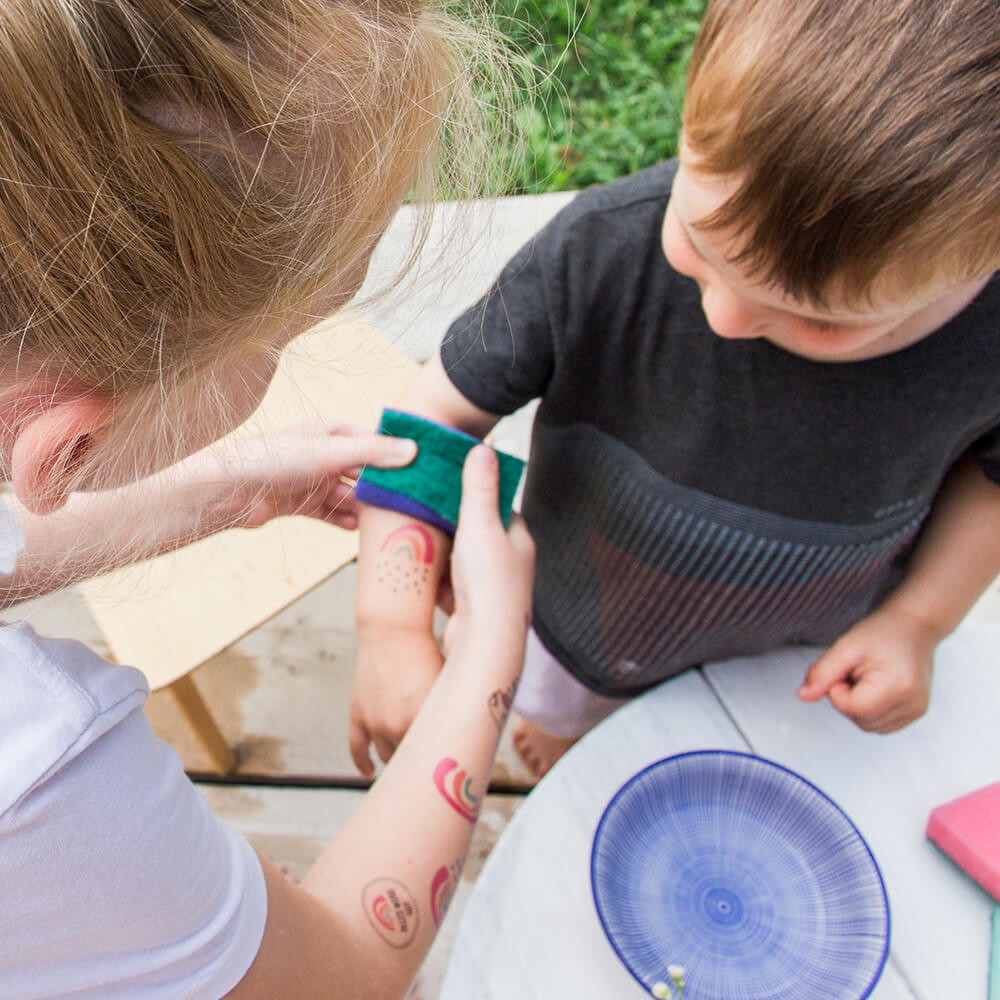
(530,929)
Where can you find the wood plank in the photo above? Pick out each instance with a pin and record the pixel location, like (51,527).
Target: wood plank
(293,825)
(936,909)
(281,696)
(468,244)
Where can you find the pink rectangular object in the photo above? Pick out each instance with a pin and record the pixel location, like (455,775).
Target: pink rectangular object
(968,831)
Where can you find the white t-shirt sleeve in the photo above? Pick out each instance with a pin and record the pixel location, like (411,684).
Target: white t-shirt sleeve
(119,882)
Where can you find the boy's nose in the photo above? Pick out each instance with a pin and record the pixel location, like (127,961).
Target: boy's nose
(728,316)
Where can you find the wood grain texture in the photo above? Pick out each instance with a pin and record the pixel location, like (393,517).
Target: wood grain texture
(281,696)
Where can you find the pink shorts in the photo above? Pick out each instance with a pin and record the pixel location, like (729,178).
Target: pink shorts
(553,699)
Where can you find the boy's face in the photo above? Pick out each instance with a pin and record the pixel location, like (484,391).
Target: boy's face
(738,307)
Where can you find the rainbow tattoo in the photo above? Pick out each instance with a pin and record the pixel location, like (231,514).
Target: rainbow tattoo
(443,887)
(405,558)
(391,910)
(453,782)
(411,541)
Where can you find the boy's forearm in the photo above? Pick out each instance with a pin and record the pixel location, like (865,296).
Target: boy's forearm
(958,554)
(400,564)
(391,590)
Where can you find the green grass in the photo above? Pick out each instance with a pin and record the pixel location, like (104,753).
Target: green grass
(608,80)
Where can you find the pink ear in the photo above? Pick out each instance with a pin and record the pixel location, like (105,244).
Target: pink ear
(48,446)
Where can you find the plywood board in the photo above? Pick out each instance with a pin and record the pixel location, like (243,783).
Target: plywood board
(169,614)
(281,696)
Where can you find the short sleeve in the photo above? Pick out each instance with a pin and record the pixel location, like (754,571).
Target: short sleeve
(500,353)
(121,883)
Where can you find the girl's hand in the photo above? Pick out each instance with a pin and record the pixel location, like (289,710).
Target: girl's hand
(306,470)
(492,570)
(878,673)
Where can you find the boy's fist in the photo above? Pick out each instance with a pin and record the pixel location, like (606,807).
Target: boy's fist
(878,673)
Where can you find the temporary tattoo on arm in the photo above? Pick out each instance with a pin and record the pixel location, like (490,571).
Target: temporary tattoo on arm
(443,887)
(500,703)
(454,784)
(405,558)
(391,910)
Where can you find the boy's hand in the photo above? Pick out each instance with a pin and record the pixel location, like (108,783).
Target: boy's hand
(396,669)
(878,673)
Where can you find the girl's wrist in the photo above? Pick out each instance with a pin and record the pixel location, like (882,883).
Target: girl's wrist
(496,660)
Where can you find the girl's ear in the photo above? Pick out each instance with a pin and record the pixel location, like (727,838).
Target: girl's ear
(49,447)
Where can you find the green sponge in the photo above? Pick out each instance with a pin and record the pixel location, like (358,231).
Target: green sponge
(430,487)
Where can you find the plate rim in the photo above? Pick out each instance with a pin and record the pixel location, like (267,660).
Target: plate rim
(883,961)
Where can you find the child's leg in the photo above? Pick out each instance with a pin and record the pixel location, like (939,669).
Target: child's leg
(554,707)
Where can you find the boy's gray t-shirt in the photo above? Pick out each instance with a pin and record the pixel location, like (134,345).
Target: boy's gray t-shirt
(693,497)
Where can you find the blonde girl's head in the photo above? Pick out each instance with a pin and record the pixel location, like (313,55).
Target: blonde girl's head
(175,174)
(180,180)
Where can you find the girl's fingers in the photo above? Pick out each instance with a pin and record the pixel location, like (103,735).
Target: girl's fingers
(348,521)
(371,449)
(480,480)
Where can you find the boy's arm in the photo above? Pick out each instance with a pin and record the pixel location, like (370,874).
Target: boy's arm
(879,673)
(401,564)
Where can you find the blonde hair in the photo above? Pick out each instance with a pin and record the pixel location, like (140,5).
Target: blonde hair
(863,136)
(178,177)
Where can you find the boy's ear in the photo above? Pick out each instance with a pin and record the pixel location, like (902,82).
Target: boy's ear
(50,444)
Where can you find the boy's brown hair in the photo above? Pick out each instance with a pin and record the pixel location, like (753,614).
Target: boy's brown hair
(865,137)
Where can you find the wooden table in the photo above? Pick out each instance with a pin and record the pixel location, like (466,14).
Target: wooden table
(530,929)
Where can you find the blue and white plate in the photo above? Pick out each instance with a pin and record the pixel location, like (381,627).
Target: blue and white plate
(745,874)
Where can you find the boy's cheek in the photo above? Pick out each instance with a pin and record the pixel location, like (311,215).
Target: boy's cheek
(677,250)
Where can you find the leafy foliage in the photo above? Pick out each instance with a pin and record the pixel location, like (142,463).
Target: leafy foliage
(607,80)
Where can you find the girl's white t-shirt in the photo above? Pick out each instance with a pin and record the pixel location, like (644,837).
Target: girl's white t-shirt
(117,880)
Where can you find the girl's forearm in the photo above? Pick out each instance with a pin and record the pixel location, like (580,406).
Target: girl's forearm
(393,868)
(97,532)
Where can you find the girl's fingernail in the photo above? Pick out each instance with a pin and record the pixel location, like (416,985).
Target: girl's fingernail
(483,455)
(404,448)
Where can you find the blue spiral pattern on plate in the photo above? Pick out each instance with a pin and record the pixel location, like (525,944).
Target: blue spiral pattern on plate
(745,874)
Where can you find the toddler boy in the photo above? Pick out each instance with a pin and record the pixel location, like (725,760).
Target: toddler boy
(770,382)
